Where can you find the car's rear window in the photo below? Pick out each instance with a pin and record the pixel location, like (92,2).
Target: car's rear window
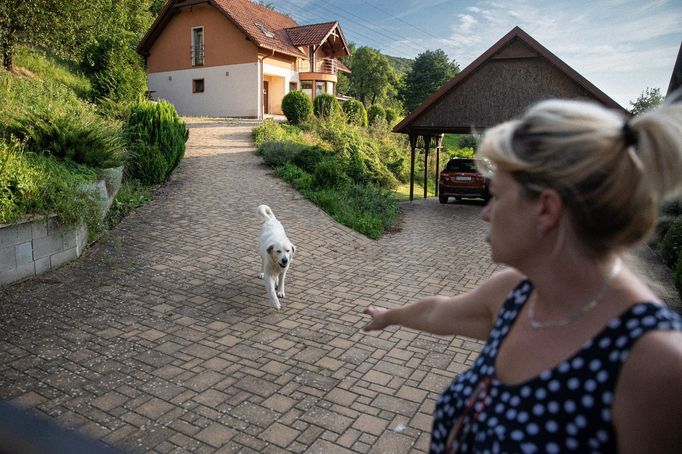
(461,165)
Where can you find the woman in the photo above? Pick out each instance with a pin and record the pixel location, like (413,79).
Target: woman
(581,355)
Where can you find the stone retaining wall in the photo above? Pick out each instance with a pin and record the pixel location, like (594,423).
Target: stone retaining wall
(35,247)
(42,244)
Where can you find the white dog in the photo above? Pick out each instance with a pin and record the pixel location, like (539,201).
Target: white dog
(277,252)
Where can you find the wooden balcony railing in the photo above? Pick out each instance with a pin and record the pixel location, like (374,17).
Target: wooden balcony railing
(324,66)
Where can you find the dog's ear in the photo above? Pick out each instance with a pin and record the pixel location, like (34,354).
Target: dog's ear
(293,249)
(270,248)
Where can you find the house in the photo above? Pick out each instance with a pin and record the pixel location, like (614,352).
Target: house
(235,58)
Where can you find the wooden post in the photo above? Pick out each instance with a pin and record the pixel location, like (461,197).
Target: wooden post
(439,144)
(413,145)
(427,143)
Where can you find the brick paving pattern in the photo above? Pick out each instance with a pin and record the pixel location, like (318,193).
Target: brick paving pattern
(161,338)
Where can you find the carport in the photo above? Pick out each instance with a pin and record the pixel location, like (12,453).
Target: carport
(513,74)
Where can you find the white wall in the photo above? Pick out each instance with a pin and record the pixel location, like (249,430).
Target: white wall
(233,95)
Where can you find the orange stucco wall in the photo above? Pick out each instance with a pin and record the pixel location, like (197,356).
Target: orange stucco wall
(224,43)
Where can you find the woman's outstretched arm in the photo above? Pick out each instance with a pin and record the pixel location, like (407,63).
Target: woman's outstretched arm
(471,314)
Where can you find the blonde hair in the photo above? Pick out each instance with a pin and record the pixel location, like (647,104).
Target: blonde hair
(612,173)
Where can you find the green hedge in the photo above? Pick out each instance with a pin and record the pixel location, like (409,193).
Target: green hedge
(326,107)
(297,107)
(375,114)
(355,112)
(157,124)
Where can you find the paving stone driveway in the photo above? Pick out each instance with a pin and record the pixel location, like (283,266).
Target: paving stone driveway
(161,338)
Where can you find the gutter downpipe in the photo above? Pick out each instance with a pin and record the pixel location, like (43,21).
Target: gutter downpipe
(261,71)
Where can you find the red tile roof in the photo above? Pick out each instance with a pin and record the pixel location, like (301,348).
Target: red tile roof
(304,35)
(265,27)
(246,14)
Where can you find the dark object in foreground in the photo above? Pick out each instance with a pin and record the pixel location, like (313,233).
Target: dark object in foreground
(23,433)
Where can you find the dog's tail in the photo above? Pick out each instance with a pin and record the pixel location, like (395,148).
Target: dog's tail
(265,212)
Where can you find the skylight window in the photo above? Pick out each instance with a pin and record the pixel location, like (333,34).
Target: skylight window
(265,31)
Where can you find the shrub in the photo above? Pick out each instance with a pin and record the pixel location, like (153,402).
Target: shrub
(391,116)
(158,123)
(355,111)
(81,137)
(147,164)
(33,184)
(326,106)
(279,153)
(677,275)
(269,130)
(116,70)
(375,113)
(297,107)
(297,177)
(672,243)
(330,173)
(309,158)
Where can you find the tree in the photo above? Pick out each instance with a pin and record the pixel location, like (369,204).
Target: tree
(650,98)
(430,70)
(372,75)
(31,22)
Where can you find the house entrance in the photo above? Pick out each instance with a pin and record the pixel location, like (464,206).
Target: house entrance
(266,103)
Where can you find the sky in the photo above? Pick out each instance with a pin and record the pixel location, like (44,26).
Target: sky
(621,46)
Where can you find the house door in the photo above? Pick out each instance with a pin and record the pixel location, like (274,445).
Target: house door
(266,103)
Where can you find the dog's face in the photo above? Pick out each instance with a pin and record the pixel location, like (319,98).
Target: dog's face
(282,253)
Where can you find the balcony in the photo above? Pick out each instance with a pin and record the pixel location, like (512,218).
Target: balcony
(198,55)
(322,66)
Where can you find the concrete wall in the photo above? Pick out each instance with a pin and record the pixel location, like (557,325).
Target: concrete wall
(42,244)
(32,248)
(229,91)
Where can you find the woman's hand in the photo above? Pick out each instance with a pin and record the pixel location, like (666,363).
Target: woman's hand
(379,319)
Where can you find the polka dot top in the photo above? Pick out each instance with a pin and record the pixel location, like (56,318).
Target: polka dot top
(564,409)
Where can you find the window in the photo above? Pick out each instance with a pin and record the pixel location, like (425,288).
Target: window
(197,85)
(293,86)
(198,46)
(320,87)
(307,87)
(330,88)
(265,31)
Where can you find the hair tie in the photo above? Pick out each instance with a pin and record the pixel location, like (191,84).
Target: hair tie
(629,135)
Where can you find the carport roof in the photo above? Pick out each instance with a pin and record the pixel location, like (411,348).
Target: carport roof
(513,74)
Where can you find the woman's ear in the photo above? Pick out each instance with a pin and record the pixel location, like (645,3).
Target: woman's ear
(550,209)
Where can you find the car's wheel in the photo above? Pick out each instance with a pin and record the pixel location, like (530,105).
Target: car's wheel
(443,199)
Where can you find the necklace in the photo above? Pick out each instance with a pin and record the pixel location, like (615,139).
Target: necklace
(536,324)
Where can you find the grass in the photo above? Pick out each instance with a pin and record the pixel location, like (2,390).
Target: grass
(48,67)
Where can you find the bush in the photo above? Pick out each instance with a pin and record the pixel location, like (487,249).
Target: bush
(147,164)
(355,111)
(81,137)
(115,69)
(297,107)
(158,124)
(391,116)
(297,177)
(677,275)
(326,107)
(309,158)
(330,173)
(375,113)
(279,153)
(672,243)
(269,130)
(33,184)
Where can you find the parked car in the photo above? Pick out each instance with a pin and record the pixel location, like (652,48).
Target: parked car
(460,178)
